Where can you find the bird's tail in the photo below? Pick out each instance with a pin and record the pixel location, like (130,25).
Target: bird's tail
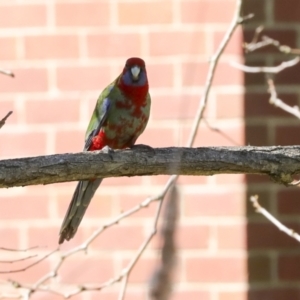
(82,197)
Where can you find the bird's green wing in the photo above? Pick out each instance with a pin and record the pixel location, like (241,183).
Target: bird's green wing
(99,115)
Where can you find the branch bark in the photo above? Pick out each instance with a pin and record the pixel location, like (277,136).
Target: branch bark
(281,163)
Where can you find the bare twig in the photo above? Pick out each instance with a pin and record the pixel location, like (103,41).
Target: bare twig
(2,122)
(221,132)
(268,41)
(295,183)
(272,219)
(17,260)
(282,48)
(7,72)
(279,103)
(124,274)
(19,250)
(255,44)
(30,265)
(261,69)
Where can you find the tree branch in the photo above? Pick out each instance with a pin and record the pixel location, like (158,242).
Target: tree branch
(278,162)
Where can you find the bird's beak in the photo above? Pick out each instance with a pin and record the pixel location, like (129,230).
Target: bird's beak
(135,71)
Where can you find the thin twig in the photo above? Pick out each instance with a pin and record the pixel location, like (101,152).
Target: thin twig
(7,72)
(221,132)
(279,103)
(30,265)
(282,48)
(261,69)
(2,122)
(19,250)
(159,197)
(272,219)
(17,260)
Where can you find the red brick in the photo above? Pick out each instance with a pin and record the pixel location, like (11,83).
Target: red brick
(232,237)
(274,294)
(210,204)
(148,12)
(31,274)
(120,237)
(26,80)
(288,201)
(177,43)
(259,268)
(207,11)
(114,44)
(160,75)
(82,14)
(287,76)
(232,135)
(51,47)
(8,105)
(230,178)
(197,74)
(8,48)
(233,296)
(100,206)
(82,268)
(184,295)
(21,144)
(257,7)
(195,180)
(83,78)
(158,137)
(9,237)
(106,294)
(23,16)
(52,111)
(287,11)
(46,237)
(128,201)
(193,237)
(270,237)
(236,103)
(288,267)
(69,141)
(256,179)
(257,135)
(142,271)
(24,207)
(123,181)
(287,135)
(215,269)
(179,106)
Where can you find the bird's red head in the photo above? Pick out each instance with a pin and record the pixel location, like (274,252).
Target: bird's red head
(134,72)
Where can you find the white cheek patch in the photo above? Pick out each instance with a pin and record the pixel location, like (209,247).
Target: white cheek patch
(135,71)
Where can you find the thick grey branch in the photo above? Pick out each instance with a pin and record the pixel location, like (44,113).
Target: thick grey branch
(278,162)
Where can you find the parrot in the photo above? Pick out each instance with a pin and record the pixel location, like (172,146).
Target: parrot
(119,118)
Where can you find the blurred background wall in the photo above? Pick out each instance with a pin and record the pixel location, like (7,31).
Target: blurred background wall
(63,53)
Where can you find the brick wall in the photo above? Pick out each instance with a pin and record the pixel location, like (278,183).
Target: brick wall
(273,258)
(63,54)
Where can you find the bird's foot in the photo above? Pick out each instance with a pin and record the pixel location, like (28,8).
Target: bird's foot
(143,147)
(108,150)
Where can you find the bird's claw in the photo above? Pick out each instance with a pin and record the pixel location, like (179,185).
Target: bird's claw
(143,147)
(108,150)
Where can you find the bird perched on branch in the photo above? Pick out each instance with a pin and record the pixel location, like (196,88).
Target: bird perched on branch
(120,116)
